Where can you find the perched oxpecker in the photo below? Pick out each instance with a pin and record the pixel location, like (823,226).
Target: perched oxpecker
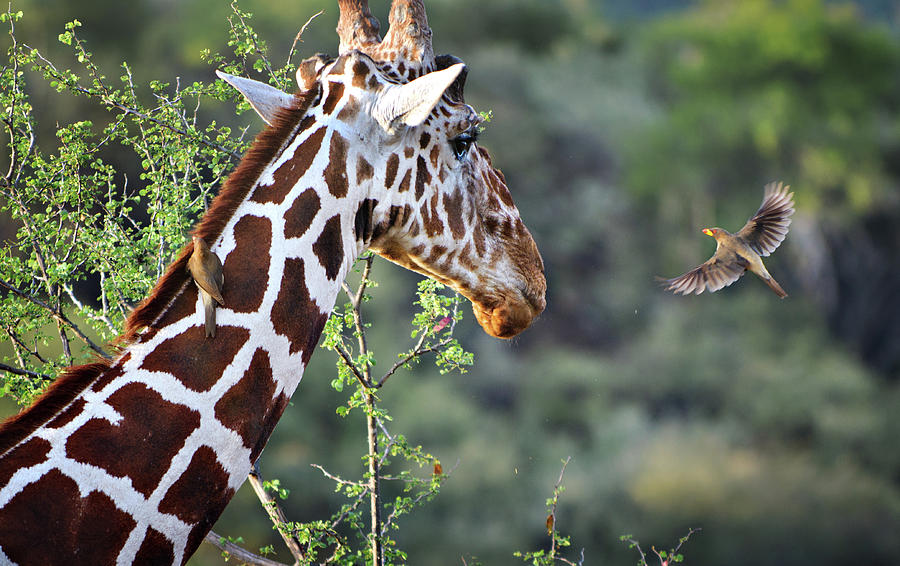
(206,269)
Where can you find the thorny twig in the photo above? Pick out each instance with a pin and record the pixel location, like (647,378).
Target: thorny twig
(299,36)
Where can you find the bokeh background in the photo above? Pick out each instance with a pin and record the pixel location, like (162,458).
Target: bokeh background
(623,128)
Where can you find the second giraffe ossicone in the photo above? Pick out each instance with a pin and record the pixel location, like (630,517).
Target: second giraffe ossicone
(132,460)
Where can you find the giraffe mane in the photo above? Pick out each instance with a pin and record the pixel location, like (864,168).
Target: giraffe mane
(75,379)
(233,192)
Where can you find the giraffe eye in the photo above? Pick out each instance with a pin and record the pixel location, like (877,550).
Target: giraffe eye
(461,143)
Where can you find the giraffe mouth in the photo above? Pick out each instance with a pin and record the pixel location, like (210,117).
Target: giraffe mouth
(505,318)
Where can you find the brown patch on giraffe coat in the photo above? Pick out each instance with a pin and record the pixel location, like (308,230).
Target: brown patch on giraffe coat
(465,257)
(360,74)
(183,306)
(404,184)
(393,163)
(435,155)
(156,549)
(271,419)
(301,214)
(423,177)
(339,66)
(349,110)
(408,152)
(246,268)
(111,374)
(195,361)
(424,140)
(294,314)
(242,407)
(23,456)
(329,247)
(435,254)
(335,93)
(490,223)
(64,523)
(305,124)
(396,218)
(364,170)
(152,430)
(289,172)
(430,218)
(497,183)
(68,414)
(453,205)
(362,220)
(199,496)
(306,72)
(479,241)
(71,382)
(336,171)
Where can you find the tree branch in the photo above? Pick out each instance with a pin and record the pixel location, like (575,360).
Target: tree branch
(300,35)
(418,350)
(336,479)
(374,486)
(58,316)
(274,511)
(411,356)
(18,371)
(242,554)
(552,519)
(128,110)
(345,356)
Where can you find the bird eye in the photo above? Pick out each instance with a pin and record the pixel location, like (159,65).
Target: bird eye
(461,143)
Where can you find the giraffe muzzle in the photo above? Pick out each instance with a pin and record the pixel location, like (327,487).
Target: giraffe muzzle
(507,318)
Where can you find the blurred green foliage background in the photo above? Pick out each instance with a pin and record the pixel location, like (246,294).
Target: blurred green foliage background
(623,128)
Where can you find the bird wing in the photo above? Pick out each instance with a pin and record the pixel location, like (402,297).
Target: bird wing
(768,227)
(208,275)
(721,270)
(210,285)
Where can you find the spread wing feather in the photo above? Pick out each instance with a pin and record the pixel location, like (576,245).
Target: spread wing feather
(768,227)
(721,270)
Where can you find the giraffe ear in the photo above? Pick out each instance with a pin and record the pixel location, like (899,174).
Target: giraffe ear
(411,103)
(265,99)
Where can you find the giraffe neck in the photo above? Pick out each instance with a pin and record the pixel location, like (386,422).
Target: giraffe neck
(142,462)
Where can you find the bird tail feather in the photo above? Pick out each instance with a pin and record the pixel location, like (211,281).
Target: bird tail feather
(776,287)
(209,309)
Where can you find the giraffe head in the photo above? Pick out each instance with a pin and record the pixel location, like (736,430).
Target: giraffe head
(429,198)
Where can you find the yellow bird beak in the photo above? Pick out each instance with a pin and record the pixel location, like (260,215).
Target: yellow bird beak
(707,231)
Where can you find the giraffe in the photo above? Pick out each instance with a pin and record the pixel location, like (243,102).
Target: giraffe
(132,460)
